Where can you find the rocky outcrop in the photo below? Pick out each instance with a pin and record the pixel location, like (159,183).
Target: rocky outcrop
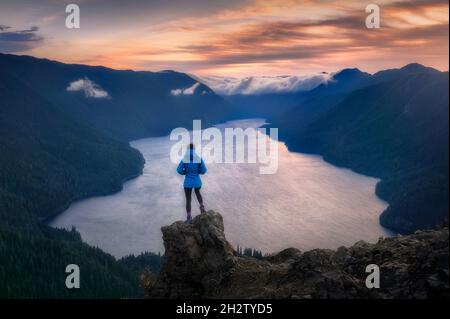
(200,263)
(198,258)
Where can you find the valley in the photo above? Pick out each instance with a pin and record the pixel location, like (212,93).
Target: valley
(61,145)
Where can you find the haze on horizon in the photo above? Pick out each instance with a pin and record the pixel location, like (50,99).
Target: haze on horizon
(230,38)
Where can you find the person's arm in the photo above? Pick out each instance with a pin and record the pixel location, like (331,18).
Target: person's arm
(181,169)
(202,168)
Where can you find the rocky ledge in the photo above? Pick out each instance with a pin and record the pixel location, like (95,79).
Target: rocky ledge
(200,263)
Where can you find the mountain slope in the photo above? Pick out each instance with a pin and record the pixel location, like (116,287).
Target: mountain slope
(303,105)
(33,266)
(47,161)
(396,130)
(319,100)
(123,104)
(312,104)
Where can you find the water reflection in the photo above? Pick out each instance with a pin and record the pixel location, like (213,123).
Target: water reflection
(307,204)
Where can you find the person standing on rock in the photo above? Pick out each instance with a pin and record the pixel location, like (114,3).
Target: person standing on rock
(192,166)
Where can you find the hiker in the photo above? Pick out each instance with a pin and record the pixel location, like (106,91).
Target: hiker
(192,166)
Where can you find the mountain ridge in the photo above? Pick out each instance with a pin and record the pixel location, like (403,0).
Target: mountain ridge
(132,98)
(403,139)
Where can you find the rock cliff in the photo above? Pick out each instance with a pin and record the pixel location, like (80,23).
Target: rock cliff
(200,263)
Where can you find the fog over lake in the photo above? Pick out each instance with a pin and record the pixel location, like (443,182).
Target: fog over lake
(307,204)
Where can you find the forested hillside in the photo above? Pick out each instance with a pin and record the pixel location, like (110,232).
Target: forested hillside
(396,129)
(33,266)
(123,104)
(64,133)
(47,161)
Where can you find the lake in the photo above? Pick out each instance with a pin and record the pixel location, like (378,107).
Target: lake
(307,204)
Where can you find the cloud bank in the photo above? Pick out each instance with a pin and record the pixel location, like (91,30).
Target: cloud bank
(263,84)
(187,91)
(18,40)
(88,87)
(235,37)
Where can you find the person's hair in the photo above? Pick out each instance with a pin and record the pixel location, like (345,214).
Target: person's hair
(191,146)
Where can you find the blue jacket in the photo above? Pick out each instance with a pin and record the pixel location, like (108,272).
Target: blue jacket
(191,166)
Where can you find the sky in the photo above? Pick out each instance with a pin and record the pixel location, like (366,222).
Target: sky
(235,38)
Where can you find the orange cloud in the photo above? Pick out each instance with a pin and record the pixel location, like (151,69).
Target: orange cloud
(274,36)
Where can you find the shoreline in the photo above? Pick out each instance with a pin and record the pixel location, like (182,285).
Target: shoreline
(289,146)
(61,223)
(51,217)
(48,220)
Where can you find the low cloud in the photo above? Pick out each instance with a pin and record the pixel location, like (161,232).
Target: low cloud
(187,91)
(88,87)
(263,84)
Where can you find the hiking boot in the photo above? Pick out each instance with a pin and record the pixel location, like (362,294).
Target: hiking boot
(202,209)
(188,219)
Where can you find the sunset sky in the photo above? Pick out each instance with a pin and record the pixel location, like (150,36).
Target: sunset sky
(230,37)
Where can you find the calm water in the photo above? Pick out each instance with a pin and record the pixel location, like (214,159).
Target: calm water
(307,204)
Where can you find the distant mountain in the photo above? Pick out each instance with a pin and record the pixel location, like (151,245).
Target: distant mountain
(264,96)
(123,104)
(395,128)
(268,106)
(343,81)
(319,100)
(411,69)
(299,106)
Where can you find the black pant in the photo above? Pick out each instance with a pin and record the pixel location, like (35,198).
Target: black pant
(188,193)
